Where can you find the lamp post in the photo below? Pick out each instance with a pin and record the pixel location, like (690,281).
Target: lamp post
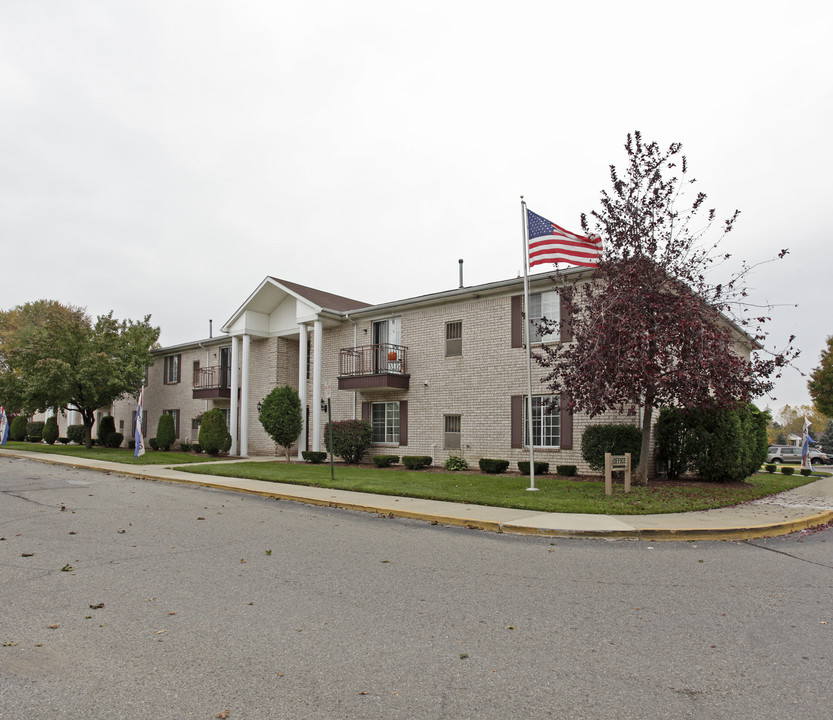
(329,407)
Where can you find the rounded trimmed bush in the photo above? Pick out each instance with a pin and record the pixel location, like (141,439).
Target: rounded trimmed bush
(114,440)
(314,457)
(787,470)
(416,462)
(492,466)
(770,467)
(566,470)
(383,461)
(541,468)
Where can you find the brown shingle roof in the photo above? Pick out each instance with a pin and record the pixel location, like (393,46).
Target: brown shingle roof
(328,301)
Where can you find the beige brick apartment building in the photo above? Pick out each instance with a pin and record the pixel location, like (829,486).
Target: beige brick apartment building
(441,374)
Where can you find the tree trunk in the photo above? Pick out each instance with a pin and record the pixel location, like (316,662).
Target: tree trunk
(88,434)
(644,454)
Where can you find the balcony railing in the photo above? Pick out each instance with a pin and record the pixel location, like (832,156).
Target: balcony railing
(212,382)
(382,365)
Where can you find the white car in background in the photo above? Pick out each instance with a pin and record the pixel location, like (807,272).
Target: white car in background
(792,454)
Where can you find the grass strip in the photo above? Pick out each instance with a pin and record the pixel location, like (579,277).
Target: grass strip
(119,455)
(554,495)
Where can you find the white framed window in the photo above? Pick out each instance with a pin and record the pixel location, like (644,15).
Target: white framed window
(227,417)
(171,373)
(544,305)
(384,420)
(546,422)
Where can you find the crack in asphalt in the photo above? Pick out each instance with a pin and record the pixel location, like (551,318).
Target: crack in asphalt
(782,552)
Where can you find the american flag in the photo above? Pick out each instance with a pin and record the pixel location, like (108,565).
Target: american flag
(549,243)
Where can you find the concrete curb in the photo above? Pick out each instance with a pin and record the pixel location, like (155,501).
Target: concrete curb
(477,517)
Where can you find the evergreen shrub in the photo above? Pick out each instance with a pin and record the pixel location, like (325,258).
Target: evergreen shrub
(416,462)
(34,431)
(63,440)
(566,470)
(314,457)
(214,435)
(77,434)
(787,470)
(152,444)
(615,439)
(719,445)
(165,432)
(106,425)
(50,430)
(383,461)
(114,440)
(17,429)
(806,472)
(541,468)
(491,466)
(770,467)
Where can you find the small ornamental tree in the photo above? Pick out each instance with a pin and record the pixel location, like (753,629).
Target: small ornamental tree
(351,439)
(214,436)
(653,327)
(820,384)
(165,432)
(280,416)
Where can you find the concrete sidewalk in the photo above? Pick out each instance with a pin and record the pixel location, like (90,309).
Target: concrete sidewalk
(807,506)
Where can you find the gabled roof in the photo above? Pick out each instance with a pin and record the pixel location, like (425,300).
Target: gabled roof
(324,300)
(272,291)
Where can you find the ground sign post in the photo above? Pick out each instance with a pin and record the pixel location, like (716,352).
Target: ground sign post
(617,463)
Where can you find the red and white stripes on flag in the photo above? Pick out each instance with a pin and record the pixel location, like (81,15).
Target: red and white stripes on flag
(550,243)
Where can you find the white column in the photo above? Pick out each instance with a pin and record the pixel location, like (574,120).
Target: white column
(235,361)
(244,398)
(316,385)
(302,386)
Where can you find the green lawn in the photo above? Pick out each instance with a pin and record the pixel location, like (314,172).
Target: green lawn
(151,457)
(554,495)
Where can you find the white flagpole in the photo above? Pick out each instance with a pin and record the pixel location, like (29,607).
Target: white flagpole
(528,339)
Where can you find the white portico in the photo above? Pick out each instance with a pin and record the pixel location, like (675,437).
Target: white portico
(288,311)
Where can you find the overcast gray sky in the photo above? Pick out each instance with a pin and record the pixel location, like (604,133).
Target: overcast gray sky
(164,156)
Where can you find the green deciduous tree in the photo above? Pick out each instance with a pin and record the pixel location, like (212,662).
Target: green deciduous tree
(280,416)
(54,356)
(820,384)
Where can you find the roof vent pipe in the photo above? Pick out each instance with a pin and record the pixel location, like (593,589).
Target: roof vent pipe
(461,271)
(210,329)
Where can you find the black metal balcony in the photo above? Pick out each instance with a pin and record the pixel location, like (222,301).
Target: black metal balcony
(379,366)
(212,382)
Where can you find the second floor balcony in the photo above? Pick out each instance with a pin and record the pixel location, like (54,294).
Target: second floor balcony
(378,366)
(212,382)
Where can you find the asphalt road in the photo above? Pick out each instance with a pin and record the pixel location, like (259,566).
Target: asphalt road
(214,604)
